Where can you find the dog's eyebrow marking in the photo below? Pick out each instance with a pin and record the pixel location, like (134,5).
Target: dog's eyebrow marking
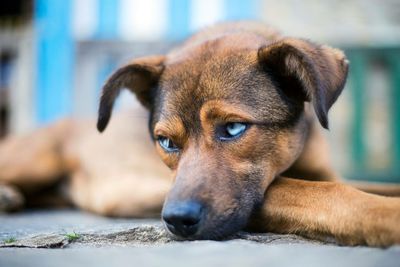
(224,111)
(172,127)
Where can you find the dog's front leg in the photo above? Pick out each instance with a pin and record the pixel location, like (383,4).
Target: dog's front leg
(324,210)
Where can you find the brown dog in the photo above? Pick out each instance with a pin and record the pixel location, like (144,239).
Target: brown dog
(231,111)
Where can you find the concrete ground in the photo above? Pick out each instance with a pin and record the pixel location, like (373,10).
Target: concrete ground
(68,237)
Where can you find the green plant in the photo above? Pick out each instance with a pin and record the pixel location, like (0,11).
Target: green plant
(72,236)
(10,240)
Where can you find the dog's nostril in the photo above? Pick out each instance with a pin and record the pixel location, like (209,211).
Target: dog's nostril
(182,218)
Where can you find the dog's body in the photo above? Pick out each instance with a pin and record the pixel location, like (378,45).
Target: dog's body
(231,111)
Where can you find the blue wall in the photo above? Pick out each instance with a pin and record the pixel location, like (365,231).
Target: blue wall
(54,62)
(55,44)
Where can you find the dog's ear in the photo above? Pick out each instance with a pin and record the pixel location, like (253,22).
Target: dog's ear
(140,76)
(314,73)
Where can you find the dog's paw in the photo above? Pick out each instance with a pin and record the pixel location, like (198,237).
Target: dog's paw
(11,199)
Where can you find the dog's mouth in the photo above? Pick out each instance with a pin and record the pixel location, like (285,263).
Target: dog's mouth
(191,221)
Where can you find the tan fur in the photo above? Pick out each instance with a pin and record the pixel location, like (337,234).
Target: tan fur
(29,162)
(238,72)
(314,162)
(329,210)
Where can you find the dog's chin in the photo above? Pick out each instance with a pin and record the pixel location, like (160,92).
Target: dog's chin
(224,229)
(223,226)
(217,228)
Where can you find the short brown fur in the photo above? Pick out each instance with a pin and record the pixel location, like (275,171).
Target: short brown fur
(233,72)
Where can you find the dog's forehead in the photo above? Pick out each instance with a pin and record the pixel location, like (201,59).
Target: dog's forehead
(209,76)
(230,74)
(219,61)
(187,85)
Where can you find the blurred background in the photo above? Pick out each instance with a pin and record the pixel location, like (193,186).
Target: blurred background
(56,54)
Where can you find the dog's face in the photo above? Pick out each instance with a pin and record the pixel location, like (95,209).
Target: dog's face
(227,119)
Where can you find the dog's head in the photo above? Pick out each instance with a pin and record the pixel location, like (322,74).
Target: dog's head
(227,116)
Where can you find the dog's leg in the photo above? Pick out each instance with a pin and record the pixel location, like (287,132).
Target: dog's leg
(122,195)
(325,209)
(11,199)
(35,160)
(315,164)
(384,189)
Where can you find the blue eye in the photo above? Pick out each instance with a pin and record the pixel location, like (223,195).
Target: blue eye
(231,131)
(167,144)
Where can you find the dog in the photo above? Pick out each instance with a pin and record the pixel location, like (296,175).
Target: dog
(232,112)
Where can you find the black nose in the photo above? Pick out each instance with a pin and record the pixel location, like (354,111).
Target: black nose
(182,218)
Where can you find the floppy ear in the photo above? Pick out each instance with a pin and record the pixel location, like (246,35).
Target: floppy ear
(140,76)
(319,71)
